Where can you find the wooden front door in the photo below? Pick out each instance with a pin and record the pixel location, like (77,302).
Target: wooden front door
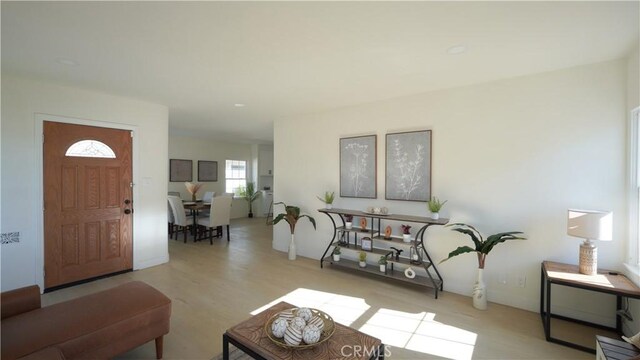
(87,202)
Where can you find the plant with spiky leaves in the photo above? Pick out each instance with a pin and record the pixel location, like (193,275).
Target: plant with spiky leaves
(328,197)
(482,246)
(291,216)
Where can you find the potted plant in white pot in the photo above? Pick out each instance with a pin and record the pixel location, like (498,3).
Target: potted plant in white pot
(406,233)
(336,253)
(291,216)
(383,264)
(363,259)
(435,206)
(482,248)
(348,222)
(250,194)
(327,199)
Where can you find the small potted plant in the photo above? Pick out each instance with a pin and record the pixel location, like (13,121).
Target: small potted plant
(363,259)
(406,233)
(383,264)
(348,221)
(434,206)
(327,199)
(291,216)
(250,194)
(336,253)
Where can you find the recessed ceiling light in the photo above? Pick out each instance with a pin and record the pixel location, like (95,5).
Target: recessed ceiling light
(239,105)
(68,62)
(456,49)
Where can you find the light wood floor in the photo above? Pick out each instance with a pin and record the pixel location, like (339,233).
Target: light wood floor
(215,287)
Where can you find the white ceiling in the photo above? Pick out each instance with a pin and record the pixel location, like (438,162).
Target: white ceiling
(288,58)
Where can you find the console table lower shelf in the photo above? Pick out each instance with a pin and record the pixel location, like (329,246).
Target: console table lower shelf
(394,274)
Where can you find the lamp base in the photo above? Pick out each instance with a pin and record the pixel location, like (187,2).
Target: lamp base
(588,258)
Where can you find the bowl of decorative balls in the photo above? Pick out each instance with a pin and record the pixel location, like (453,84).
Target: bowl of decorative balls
(300,328)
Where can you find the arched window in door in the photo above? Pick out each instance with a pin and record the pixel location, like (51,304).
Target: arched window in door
(90,148)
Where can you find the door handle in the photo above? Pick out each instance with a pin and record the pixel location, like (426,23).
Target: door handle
(127,201)
(128,211)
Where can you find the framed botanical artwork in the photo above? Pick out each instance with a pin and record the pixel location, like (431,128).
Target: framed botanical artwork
(358,167)
(180,170)
(207,170)
(408,166)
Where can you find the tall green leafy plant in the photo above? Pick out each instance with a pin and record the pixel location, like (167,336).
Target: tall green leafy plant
(482,247)
(250,194)
(291,216)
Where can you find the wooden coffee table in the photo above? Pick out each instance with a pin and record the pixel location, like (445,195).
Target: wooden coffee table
(346,343)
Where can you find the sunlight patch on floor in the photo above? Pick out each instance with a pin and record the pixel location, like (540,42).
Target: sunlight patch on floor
(421,333)
(343,309)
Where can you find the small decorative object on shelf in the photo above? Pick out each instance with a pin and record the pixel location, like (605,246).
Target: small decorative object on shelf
(366,243)
(291,216)
(398,252)
(387,232)
(414,256)
(363,259)
(482,249)
(193,189)
(406,233)
(434,206)
(383,264)
(377,210)
(348,219)
(298,332)
(363,223)
(327,199)
(336,253)
(409,273)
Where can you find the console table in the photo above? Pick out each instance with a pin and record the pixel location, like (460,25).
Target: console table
(606,281)
(381,246)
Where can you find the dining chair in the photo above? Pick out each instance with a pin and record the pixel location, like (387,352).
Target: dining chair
(175,193)
(170,218)
(208,196)
(219,216)
(179,217)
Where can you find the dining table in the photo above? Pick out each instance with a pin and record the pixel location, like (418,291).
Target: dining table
(195,207)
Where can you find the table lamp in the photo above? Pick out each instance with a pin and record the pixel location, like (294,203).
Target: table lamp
(590,225)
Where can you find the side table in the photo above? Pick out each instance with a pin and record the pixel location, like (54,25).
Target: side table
(606,281)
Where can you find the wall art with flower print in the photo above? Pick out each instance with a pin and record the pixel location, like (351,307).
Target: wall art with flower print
(358,167)
(408,166)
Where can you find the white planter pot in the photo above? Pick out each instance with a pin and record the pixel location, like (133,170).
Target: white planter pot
(336,257)
(362,264)
(406,238)
(348,225)
(383,268)
(328,206)
(435,216)
(480,293)
(292,248)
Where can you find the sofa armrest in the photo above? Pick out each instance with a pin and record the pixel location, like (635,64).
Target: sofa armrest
(19,301)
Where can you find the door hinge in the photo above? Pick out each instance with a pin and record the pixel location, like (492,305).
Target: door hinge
(131,133)
(43,138)
(130,184)
(44,272)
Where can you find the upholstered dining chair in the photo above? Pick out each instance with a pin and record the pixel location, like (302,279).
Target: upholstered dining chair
(170,218)
(179,217)
(174,193)
(208,196)
(220,215)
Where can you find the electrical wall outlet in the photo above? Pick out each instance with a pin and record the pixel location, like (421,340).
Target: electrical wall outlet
(10,237)
(502,278)
(521,281)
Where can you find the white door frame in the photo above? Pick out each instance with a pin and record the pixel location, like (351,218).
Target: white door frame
(39,187)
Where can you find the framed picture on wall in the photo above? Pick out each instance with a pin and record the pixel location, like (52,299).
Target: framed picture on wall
(358,167)
(408,166)
(207,170)
(180,170)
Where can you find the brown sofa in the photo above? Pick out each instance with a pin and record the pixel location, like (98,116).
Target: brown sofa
(96,326)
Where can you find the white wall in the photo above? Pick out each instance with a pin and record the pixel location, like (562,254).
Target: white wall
(22,99)
(513,154)
(191,148)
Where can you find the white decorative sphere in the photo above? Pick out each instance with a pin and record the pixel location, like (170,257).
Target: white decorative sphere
(311,334)
(305,313)
(293,336)
(316,321)
(287,314)
(298,323)
(279,326)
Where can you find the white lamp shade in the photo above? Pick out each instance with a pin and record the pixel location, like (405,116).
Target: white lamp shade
(590,224)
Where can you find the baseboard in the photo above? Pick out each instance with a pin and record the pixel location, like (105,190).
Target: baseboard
(143,264)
